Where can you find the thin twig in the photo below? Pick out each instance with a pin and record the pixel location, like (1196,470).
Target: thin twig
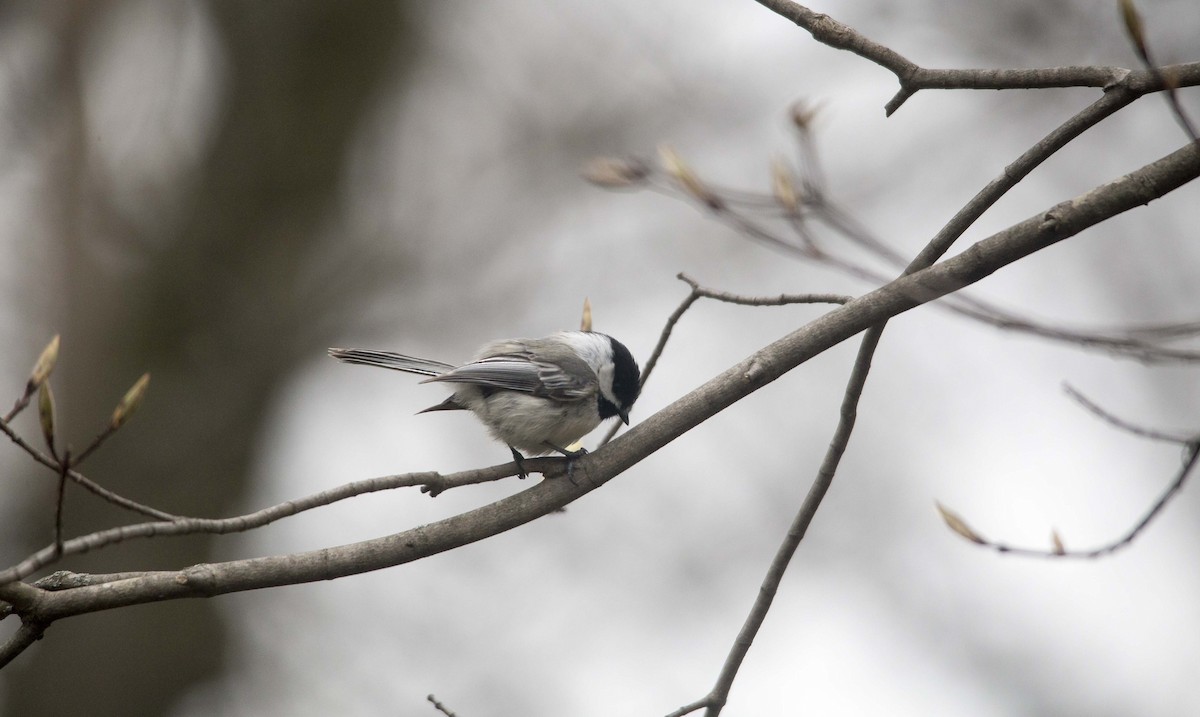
(1191,458)
(1164,332)
(432,482)
(21,403)
(1122,423)
(119,500)
(440,707)
(699,292)
(26,635)
(60,501)
(690,708)
(777,300)
(85,482)
(808,509)
(1120,342)
(658,349)
(668,327)
(96,443)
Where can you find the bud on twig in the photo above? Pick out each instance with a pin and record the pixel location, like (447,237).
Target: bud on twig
(959,525)
(41,371)
(130,402)
(675,166)
(615,173)
(585,324)
(783,186)
(803,114)
(44,365)
(46,413)
(1056,540)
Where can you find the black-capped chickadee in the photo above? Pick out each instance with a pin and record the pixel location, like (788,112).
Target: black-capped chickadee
(536,395)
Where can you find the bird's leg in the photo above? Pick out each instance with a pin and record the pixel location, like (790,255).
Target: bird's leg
(570,457)
(520,461)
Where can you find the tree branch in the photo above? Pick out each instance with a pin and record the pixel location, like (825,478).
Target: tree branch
(591,471)
(913,77)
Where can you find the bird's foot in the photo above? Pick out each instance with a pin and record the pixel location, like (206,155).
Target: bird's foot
(569,456)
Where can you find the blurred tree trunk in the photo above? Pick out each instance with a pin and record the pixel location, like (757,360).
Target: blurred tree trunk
(217,310)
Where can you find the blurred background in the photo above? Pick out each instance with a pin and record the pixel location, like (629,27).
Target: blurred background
(215,192)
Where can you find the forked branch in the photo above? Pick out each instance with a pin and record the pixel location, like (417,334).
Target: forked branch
(913,77)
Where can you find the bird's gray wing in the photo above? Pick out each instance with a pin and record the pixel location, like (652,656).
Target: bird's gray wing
(567,378)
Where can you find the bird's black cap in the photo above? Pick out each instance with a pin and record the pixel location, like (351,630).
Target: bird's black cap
(626,379)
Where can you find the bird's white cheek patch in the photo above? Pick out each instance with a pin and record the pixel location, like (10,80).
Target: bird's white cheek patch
(605,377)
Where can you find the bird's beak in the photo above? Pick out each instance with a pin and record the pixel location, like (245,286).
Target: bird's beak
(624,414)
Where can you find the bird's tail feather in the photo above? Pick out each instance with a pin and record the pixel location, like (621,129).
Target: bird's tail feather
(450,404)
(387,359)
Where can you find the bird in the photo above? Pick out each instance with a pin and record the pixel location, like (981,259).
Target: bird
(535,395)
